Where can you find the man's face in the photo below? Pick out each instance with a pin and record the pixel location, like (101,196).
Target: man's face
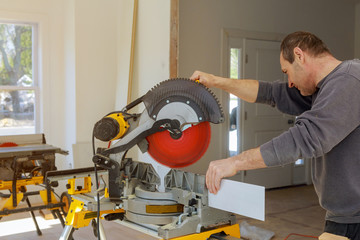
(298,77)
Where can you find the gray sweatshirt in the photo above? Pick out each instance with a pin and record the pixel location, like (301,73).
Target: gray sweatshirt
(327,131)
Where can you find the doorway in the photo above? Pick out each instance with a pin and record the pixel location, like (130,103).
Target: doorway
(254,124)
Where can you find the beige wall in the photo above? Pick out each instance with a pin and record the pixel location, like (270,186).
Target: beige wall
(357,31)
(201,22)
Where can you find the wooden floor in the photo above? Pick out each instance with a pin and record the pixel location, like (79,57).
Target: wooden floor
(291,210)
(288,210)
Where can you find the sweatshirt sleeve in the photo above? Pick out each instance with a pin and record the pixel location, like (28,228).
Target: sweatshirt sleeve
(287,100)
(334,114)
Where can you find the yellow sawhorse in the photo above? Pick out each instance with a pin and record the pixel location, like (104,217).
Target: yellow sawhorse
(78,217)
(18,192)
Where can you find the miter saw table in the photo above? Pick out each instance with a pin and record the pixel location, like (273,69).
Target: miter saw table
(174,129)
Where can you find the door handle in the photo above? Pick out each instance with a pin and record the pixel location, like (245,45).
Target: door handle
(290,121)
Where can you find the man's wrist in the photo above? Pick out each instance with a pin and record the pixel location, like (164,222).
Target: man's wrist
(237,164)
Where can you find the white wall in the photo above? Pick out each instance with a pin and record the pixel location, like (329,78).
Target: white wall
(95,25)
(151,56)
(151,60)
(103,57)
(201,22)
(69,80)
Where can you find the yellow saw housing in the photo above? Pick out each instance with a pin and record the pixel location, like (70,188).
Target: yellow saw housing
(123,124)
(111,127)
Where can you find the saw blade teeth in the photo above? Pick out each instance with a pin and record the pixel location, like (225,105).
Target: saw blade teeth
(208,106)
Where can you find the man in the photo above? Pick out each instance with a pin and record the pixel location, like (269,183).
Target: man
(323,93)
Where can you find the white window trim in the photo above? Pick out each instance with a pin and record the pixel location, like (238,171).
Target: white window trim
(41,55)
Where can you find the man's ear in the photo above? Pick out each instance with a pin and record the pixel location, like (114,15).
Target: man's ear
(299,55)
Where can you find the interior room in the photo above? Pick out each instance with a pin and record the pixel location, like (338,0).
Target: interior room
(90,58)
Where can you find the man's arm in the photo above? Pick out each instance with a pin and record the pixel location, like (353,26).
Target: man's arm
(247,160)
(246,89)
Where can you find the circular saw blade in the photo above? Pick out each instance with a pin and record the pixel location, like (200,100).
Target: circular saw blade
(184,90)
(181,152)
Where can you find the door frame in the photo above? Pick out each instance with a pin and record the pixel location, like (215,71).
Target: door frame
(226,35)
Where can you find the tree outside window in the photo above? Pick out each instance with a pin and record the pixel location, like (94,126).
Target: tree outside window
(18,89)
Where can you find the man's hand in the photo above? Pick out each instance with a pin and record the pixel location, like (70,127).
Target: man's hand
(246,89)
(218,170)
(209,80)
(247,160)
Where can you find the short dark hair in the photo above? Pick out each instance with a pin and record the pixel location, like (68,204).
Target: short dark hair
(306,41)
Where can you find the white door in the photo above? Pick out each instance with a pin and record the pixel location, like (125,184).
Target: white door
(259,123)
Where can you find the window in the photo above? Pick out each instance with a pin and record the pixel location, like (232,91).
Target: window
(235,70)
(18,84)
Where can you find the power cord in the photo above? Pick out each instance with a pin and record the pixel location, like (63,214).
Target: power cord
(97,194)
(301,235)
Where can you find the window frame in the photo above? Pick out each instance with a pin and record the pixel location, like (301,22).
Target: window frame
(35,71)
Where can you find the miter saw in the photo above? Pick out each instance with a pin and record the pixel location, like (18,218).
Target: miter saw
(174,129)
